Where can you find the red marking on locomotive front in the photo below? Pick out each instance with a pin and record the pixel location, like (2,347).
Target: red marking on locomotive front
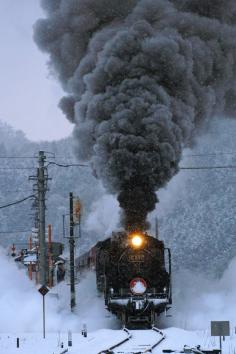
(138,286)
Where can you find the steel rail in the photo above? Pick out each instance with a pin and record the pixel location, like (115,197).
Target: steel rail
(150,348)
(109,350)
(160,340)
(146,350)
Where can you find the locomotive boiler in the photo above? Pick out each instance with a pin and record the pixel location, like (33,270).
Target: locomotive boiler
(133,271)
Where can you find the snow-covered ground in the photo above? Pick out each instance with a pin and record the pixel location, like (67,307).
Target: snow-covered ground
(96,341)
(58,342)
(21,316)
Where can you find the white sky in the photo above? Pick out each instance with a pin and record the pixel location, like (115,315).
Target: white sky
(28,96)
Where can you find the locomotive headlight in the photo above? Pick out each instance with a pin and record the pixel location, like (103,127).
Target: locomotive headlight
(136,241)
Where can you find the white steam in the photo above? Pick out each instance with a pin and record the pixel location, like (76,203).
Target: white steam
(21,304)
(199,300)
(104,217)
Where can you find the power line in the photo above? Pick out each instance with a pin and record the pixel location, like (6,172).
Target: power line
(16,168)
(17,202)
(210,154)
(49,164)
(207,167)
(65,156)
(67,165)
(69,157)
(18,157)
(52,155)
(17,191)
(68,161)
(14,232)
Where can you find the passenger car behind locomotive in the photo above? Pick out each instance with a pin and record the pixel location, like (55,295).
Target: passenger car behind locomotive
(134,273)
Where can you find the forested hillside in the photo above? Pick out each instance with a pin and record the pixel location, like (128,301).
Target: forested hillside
(197,209)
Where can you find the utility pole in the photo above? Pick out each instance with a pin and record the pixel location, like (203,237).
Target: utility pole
(41,201)
(72,254)
(40,188)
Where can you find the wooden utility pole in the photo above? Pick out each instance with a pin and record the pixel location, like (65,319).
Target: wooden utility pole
(41,202)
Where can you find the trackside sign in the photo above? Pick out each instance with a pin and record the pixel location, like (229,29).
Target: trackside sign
(220,328)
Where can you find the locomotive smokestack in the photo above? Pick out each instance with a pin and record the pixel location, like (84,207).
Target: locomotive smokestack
(141,77)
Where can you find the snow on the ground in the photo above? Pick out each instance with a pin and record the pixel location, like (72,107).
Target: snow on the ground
(55,343)
(21,315)
(99,340)
(176,338)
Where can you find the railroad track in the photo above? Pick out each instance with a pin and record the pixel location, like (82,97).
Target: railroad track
(137,342)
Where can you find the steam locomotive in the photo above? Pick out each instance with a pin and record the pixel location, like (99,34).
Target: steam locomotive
(133,271)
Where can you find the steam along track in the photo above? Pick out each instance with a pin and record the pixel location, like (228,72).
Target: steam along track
(131,272)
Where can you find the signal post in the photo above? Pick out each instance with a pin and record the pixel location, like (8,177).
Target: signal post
(75,212)
(72,255)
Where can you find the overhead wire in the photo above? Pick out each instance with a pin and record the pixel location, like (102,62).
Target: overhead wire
(85,165)
(73,157)
(17,202)
(36,157)
(182,168)
(14,232)
(207,167)
(67,165)
(16,168)
(210,154)
(17,190)
(18,157)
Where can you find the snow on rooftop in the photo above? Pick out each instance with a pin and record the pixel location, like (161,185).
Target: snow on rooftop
(31,258)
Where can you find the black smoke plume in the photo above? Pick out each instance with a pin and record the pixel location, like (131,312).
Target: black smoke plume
(142,77)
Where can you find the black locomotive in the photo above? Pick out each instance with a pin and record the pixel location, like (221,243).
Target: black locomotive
(134,273)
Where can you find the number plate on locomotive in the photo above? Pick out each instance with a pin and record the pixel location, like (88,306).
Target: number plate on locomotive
(136,258)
